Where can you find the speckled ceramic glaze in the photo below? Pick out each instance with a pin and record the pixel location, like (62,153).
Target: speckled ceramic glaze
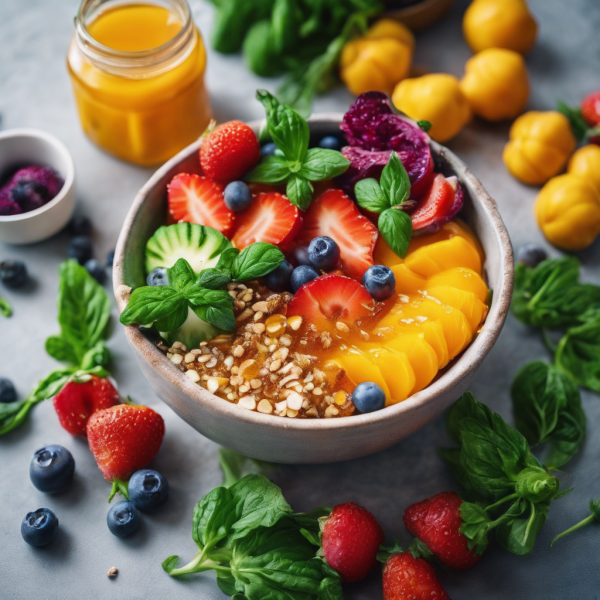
(287,440)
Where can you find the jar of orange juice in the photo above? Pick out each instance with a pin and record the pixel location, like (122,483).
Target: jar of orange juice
(137,70)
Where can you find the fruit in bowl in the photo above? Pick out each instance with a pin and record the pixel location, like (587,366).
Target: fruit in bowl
(320,300)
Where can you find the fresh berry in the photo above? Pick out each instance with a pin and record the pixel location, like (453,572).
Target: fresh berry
(350,540)
(32,187)
(148,490)
(229,152)
(196,199)
(331,142)
(279,279)
(123,519)
(368,397)
(8,207)
(7,391)
(13,273)
(124,439)
(302,275)
(331,298)
(408,578)
(110,258)
(51,469)
(39,528)
(96,270)
(436,521)
(271,218)
(268,149)
(158,277)
(299,256)
(76,402)
(80,226)
(531,255)
(380,282)
(237,196)
(324,253)
(334,215)
(81,249)
(437,205)
(590,109)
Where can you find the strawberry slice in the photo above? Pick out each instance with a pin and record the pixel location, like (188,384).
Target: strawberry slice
(331,298)
(270,218)
(436,203)
(333,214)
(197,199)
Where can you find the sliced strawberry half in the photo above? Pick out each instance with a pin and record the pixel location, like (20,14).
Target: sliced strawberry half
(436,204)
(270,218)
(331,298)
(197,199)
(333,214)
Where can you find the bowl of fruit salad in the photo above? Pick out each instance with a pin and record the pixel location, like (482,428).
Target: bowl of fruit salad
(319,297)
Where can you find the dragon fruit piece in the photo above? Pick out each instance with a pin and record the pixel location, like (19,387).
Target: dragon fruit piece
(32,187)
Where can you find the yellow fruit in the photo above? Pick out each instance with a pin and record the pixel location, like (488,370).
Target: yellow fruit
(496,84)
(440,256)
(499,24)
(470,306)
(585,163)
(390,28)
(407,282)
(462,279)
(397,372)
(436,98)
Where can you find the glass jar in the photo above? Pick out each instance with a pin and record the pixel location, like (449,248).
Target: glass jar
(138,76)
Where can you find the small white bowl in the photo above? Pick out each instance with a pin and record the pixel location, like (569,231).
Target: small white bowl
(21,147)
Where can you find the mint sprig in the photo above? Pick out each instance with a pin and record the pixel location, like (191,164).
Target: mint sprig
(298,165)
(389,197)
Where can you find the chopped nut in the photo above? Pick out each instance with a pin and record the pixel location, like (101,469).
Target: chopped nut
(342,327)
(255,384)
(294,401)
(192,375)
(239,304)
(275,365)
(238,351)
(281,354)
(204,343)
(249,369)
(264,406)
(211,363)
(312,412)
(317,391)
(243,389)
(196,352)
(258,315)
(189,358)
(212,385)
(295,322)
(180,346)
(275,325)
(233,294)
(272,347)
(291,413)
(228,362)
(285,340)
(258,328)
(176,359)
(247,402)
(112,572)
(281,406)
(326,339)
(331,411)
(288,378)
(247,296)
(260,307)
(286,368)
(247,312)
(204,358)
(235,370)
(309,386)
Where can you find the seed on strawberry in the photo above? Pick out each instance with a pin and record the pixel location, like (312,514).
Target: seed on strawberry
(436,521)
(229,152)
(408,578)
(350,540)
(590,108)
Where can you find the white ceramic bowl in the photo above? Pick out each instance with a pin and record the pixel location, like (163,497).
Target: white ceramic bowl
(20,147)
(287,440)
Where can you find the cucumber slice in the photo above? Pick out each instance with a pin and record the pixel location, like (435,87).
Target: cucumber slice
(193,331)
(198,244)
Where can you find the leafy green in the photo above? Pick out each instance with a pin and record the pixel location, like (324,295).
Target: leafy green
(396,228)
(5,308)
(235,466)
(578,125)
(271,169)
(594,509)
(370,196)
(257,260)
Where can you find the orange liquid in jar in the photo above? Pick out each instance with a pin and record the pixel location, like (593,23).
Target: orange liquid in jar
(147,115)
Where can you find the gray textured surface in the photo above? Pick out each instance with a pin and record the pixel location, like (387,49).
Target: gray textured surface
(35,92)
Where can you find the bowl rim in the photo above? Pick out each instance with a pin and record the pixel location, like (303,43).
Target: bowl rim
(69,178)
(469,360)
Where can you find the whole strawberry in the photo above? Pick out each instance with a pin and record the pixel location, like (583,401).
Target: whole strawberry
(408,578)
(436,521)
(76,402)
(590,109)
(350,540)
(229,152)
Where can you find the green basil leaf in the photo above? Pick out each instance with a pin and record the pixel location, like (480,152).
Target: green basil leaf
(214,279)
(320,164)
(181,275)
(62,350)
(221,317)
(299,191)
(213,518)
(309,523)
(521,525)
(152,303)
(396,228)
(233,20)
(259,50)
(370,196)
(394,181)
(475,526)
(235,466)
(466,406)
(578,125)
(257,260)
(174,320)
(98,356)
(226,259)
(288,129)
(5,308)
(213,306)
(424,125)
(536,484)
(271,169)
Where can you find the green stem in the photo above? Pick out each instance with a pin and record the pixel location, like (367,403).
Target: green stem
(579,525)
(502,501)
(118,485)
(198,564)
(548,342)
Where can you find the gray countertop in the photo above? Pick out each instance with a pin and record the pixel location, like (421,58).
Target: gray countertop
(35,92)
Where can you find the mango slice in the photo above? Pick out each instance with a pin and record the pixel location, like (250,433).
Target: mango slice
(463,279)
(471,306)
(397,372)
(441,256)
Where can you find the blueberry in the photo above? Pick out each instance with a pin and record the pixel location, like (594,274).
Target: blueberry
(324,253)
(279,279)
(39,528)
(268,149)
(80,248)
(148,490)
(123,519)
(368,397)
(158,276)
(13,273)
(80,226)
(237,196)
(379,281)
(531,255)
(96,270)
(299,256)
(110,258)
(301,275)
(51,469)
(331,142)
(7,391)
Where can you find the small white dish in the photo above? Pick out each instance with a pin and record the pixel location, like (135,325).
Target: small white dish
(21,147)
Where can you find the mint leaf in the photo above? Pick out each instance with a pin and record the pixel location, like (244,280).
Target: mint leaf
(150,304)
(257,260)
(181,275)
(214,279)
(370,196)
(320,164)
(173,320)
(396,228)
(394,181)
(5,308)
(62,350)
(226,258)
(424,125)
(98,356)
(213,306)
(299,191)
(271,169)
